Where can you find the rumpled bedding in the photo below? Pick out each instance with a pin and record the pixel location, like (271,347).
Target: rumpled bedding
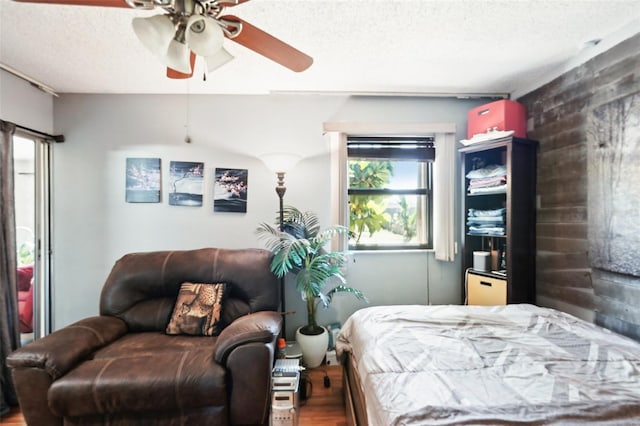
(491,365)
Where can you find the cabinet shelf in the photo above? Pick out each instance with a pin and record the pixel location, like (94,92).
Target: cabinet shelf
(477,194)
(518,200)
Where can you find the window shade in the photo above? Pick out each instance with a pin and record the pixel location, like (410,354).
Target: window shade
(395,148)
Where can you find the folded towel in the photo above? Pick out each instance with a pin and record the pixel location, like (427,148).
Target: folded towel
(493,170)
(477,183)
(497,189)
(497,222)
(483,213)
(474,230)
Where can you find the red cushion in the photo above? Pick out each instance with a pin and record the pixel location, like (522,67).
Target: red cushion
(25,310)
(25,273)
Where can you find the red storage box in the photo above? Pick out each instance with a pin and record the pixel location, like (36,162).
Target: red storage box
(501,115)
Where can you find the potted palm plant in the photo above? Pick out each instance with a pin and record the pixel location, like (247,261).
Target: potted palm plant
(299,248)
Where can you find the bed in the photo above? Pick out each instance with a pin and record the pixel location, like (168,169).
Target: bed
(486,365)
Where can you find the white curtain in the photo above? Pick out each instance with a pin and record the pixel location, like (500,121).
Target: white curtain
(444,196)
(337,143)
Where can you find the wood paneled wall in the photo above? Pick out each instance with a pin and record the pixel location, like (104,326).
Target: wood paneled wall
(558,114)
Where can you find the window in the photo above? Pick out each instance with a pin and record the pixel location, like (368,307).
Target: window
(390,192)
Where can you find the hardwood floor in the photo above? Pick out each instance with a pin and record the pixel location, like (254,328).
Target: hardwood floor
(14,418)
(325,407)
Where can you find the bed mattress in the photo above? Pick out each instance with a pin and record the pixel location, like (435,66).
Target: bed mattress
(513,364)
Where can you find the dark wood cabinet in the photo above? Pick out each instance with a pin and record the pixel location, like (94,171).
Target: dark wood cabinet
(511,195)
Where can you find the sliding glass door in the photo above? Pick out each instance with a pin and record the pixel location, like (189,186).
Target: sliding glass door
(32,207)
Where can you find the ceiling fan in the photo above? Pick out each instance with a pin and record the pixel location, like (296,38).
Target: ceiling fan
(197,27)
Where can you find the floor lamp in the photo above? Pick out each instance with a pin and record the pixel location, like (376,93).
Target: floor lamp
(280,163)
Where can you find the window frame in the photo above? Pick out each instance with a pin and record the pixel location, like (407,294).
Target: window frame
(420,149)
(445,233)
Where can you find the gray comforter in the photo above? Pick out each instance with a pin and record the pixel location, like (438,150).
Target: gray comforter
(514,364)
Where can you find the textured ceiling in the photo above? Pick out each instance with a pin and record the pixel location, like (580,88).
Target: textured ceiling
(426,46)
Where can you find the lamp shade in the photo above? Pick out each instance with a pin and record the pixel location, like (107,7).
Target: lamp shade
(178,57)
(218,59)
(280,162)
(204,36)
(155,33)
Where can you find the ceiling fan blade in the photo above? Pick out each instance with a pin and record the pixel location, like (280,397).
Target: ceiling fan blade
(102,3)
(171,73)
(267,45)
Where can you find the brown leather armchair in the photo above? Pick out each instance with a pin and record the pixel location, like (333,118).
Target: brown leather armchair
(121,368)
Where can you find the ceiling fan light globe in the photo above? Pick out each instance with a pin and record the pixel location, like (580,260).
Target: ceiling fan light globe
(218,59)
(155,33)
(178,57)
(206,42)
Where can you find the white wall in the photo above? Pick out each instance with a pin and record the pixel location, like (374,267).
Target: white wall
(23,104)
(93,226)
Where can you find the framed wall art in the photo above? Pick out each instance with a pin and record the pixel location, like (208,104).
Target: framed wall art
(143,180)
(185,183)
(230,190)
(613,191)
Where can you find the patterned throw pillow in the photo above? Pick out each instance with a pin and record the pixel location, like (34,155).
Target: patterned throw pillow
(197,310)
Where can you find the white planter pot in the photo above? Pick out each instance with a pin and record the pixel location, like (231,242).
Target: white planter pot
(314,348)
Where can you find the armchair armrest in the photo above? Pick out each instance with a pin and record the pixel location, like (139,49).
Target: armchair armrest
(62,350)
(261,327)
